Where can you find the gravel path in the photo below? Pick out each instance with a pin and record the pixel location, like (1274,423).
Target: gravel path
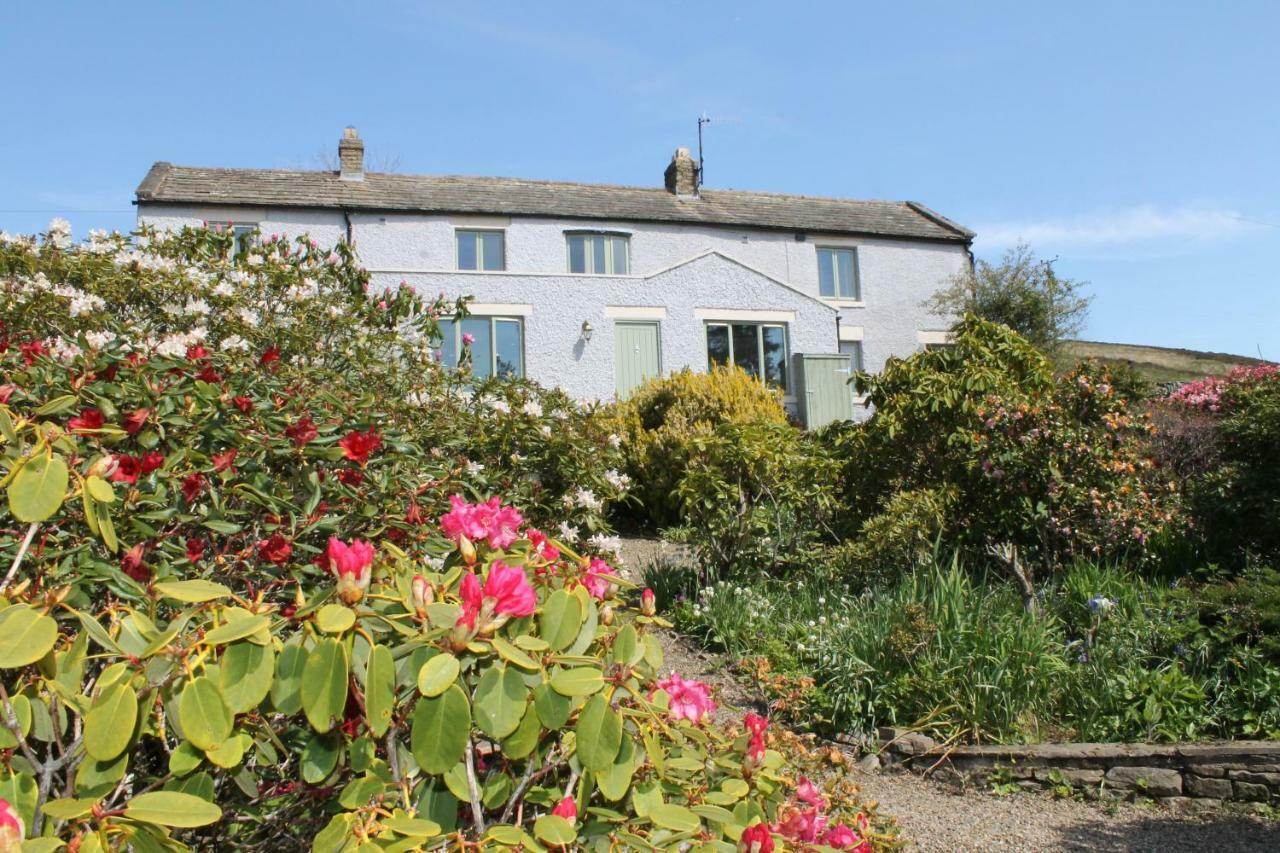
(937,817)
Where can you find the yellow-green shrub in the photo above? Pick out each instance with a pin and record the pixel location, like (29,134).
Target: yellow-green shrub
(664,417)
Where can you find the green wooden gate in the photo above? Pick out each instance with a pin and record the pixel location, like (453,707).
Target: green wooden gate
(824,394)
(636,355)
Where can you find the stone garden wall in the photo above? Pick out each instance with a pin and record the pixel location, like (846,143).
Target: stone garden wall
(1246,771)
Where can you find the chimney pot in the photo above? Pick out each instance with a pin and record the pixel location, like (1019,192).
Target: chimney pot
(681,176)
(350,156)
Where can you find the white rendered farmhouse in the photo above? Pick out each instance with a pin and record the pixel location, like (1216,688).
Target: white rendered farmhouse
(594,287)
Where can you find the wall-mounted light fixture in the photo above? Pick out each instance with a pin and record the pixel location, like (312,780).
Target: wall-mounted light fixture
(587,330)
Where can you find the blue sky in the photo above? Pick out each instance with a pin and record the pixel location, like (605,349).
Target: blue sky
(1136,142)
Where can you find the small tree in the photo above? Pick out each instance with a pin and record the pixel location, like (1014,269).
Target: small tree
(1021,292)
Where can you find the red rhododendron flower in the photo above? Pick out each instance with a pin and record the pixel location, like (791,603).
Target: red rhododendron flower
(151,461)
(128,469)
(359,445)
(223,461)
(567,808)
(542,545)
(192,486)
(196,353)
(689,699)
(351,565)
(302,431)
(135,421)
(195,549)
(488,522)
(131,564)
(88,419)
(271,354)
(31,351)
(12,829)
(648,602)
(756,744)
(414,514)
(6,391)
(209,374)
(244,404)
(756,839)
(275,549)
(472,597)
(597,578)
(350,477)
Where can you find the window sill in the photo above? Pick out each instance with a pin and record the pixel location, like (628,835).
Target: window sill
(844,303)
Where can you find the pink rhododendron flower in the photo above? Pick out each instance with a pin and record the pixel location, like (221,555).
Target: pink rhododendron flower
(756,839)
(506,593)
(800,824)
(567,808)
(542,545)
(352,566)
(842,837)
(468,523)
(468,338)
(807,792)
(597,578)
(756,744)
(12,830)
(689,699)
(648,602)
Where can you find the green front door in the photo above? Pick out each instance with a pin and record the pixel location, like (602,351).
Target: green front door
(635,355)
(825,395)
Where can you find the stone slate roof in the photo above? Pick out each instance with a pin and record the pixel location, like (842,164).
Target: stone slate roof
(169,184)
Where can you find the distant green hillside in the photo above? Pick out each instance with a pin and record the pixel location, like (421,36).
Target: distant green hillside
(1159,364)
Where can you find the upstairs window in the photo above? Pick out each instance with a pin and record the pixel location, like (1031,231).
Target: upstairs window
(244,233)
(759,349)
(599,254)
(497,345)
(838,274)
(481,250)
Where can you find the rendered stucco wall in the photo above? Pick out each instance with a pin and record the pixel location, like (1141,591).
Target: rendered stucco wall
(896,277)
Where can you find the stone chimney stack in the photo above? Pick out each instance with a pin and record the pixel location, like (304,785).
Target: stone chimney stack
(682,175)
(351,156)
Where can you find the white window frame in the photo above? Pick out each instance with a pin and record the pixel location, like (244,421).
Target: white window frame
(759,326)
(837,296)
(242,232)
(588,252)
(854,365)
(457,251)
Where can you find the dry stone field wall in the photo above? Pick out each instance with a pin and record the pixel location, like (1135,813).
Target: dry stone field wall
(1243,771)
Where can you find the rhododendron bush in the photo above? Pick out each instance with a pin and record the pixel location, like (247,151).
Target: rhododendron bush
(281,585)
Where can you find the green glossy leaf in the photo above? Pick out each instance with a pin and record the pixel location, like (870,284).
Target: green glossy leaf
(522,741)
(441,727)
(675,817)
(577,681)
(320,757)
(554,829)
(437,674)
(499,701)
(561,619)
(245,675)
(599,735)
(22,711)
(513,655)
(170,808)
(38,489)
(185,758)
(69,809)
(552,708)
(412,826)
(230,752)
(324,684)
(380,690)
(193,591)
(616,780)
(109,725)
(26,635)
(236,628)
(625,644)
(203,713)
(335,618)
(286,690)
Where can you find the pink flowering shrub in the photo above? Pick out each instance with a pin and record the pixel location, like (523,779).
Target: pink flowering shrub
(1208,394)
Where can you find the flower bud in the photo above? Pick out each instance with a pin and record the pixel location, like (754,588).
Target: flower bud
(606,615)
(467,549)
(648,603)
(12,829)
(103,467)
(422,594)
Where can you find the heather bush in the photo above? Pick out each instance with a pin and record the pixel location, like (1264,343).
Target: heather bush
(663,418)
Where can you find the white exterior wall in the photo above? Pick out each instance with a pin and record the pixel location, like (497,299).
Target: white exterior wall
(896,277)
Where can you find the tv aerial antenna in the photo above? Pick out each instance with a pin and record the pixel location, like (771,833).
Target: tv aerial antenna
(702,119)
